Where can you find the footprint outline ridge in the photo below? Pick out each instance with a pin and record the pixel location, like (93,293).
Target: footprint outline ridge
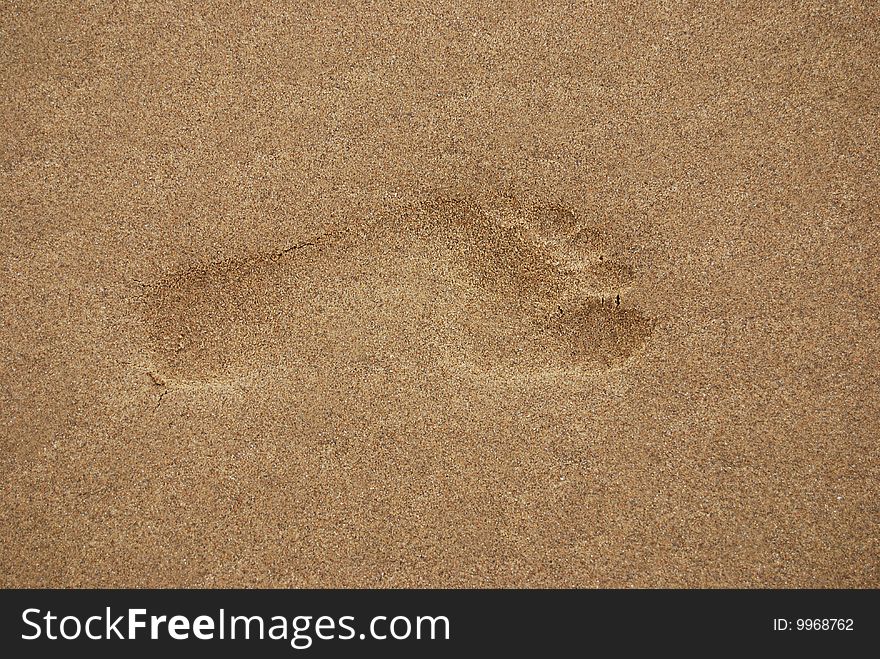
(542,289)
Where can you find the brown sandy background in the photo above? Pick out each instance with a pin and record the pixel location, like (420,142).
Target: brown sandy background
(312,295)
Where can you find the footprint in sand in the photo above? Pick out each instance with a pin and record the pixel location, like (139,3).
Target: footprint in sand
(487,285)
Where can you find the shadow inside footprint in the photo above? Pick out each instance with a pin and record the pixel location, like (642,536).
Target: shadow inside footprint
(600,332)
(460,282)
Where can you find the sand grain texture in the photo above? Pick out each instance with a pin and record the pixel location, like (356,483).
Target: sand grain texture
(524,296)
(457,294)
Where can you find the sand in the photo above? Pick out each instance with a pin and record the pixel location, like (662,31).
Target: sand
(443,294)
